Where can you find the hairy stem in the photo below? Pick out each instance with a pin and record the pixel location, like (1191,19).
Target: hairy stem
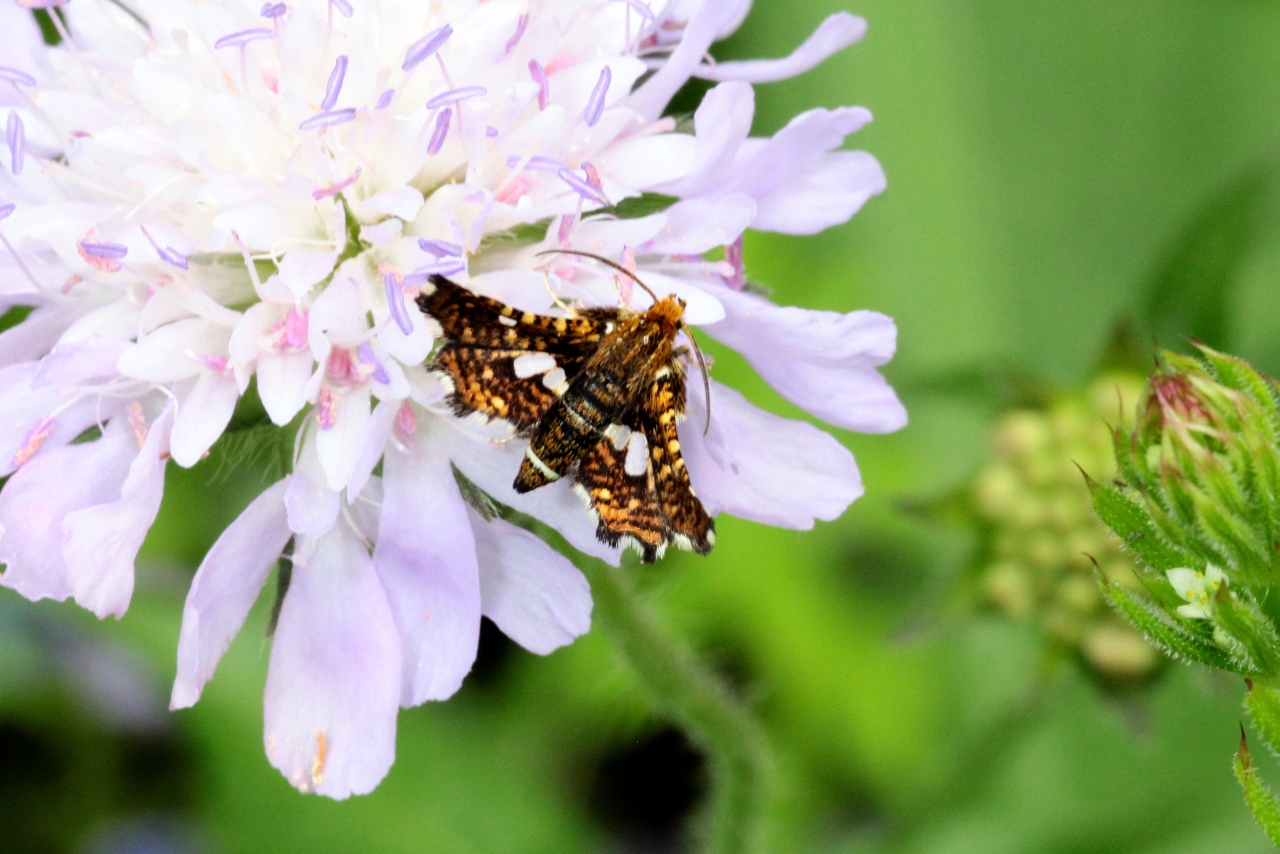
(699,702)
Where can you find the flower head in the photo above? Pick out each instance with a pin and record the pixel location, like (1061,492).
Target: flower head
(201,199)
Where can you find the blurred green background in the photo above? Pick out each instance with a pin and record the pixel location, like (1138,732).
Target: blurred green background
(1060,174)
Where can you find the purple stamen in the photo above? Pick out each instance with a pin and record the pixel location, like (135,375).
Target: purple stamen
(379,370)
(595,104)
(172,256)
(336,188)
(384,100)
(110,251)
(332,117)
(5,210)
(438,248)
(453,96)
(334,86)
(395,299)
(424,47)
(733,254)
(447,267)
(273,10)
(643,10)
(544,86)
(521,25)
(440,132)
(583,188)
(342,6)
(490,131)
(14,75)
(17,142)
(243,37)
(537,163)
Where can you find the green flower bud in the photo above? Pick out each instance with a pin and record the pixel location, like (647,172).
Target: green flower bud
(1034,508)
(1197,501)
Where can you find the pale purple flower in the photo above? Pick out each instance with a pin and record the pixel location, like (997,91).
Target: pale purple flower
(208,203)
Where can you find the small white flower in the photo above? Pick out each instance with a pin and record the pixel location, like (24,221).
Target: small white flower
(1198,588)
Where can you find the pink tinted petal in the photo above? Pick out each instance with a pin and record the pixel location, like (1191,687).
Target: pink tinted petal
(761,467)
(827,192)
(224,589)
(203,416)
(333,686)
(339,446)
(312,506)
(707,23)
(174,351)
(282,384)
(492,468)
(426,558)
(338,314)
(102,541)
(25,409)
(532,592)
(721,124)
(833,35)
(821,360)
(39,495)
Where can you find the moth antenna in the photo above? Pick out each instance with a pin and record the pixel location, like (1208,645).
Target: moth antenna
(706,378)
(614,264)
(555,298)
(702,363)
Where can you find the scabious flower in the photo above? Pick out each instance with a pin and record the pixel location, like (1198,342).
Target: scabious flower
(204,199)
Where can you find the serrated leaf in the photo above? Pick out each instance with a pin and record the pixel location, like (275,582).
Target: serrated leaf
(1158,628)
(1130,522)
(1256,794)
(1192,291)
(1263,704)
(1250,628)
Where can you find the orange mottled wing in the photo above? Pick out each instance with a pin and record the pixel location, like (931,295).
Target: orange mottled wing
(625,506)
(489,382)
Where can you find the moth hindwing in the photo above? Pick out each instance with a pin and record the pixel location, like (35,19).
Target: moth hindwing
(598,394)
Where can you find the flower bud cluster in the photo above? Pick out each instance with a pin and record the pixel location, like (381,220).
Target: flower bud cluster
(1041,531)
(1197,500)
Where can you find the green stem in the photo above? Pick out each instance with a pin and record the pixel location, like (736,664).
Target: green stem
(700,703)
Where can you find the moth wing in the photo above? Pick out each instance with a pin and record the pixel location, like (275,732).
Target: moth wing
(657,416)
(489,382)
(472,320)
(625,506)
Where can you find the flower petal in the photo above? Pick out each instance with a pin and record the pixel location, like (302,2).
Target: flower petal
(833,35)
(333,682)
(721,124)
(205,413)
(824,193)
(532,592)
(102,541)
(312,506)
(706,25)
(820,360)
(492,467)
(339,446)
(761,467)
(426,558)
(39,495)
(282,384)
(224,589)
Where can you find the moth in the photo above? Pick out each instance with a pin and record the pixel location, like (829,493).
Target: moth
(598,393)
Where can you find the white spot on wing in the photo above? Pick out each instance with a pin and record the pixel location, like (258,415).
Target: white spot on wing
(506,321)
(532,364)
(619,434)
(555,380)
(637,455)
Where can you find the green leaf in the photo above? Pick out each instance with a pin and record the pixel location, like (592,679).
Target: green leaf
(1259,798)
(1263,705)
(1165,634)
(1192,291)
(639,206)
